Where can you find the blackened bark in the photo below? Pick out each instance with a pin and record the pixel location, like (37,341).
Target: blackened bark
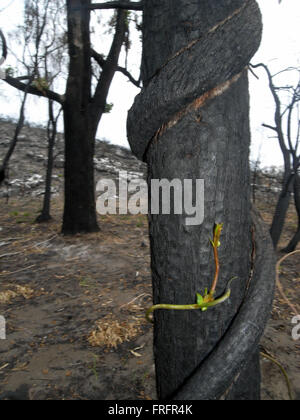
(195,38)
(80,211)
(212,150)
(80,130)
(231,370)
(191,122)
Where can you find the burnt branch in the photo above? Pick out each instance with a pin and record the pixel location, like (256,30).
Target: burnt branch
(126,73)
(102,62)
(16,83)
(125,5)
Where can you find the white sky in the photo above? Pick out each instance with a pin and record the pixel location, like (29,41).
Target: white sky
(280,48)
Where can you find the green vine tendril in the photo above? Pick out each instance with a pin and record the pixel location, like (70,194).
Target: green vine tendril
(207,300)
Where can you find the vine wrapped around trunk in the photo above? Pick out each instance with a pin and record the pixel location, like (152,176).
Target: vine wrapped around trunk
(191,121)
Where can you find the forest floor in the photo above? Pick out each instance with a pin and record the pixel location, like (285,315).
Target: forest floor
(54,290)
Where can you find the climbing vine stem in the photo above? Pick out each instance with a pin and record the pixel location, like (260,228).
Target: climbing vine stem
(207,300)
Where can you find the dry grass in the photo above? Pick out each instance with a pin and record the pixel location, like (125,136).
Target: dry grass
(8,296)
(111,333)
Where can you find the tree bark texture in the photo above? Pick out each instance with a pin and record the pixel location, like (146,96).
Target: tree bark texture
(191,121)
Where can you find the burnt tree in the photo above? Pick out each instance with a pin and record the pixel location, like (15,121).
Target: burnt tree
(82,114)
(83,110)
(287,130)
(45,215)
(191,122)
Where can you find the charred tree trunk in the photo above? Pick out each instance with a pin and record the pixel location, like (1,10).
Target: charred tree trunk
(80,130)
(14,141)
(296,239)
(45,215)
(82,114)
(282,208)
(80,207)
(191,122)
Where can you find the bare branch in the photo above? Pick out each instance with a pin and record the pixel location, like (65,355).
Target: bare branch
(126,5)
(285,70)
(270,127)
(101,61)
(129,75)
(110,64)
(98,57)
(277,116)
(253,73)
(16,83)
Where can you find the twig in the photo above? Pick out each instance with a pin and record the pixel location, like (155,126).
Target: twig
(279,285)
(41,243)
(288,382)
(27,247)
(10,255)
(3,244)
(68,294)
(15,272)
(252,71)
(133,300)
(13,239)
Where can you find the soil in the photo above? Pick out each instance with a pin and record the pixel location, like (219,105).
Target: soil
(54,290)
(70,283)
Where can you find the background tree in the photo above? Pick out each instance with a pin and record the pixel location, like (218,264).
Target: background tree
(45,215)
(3,52)
(82,109)
(287,129)
(255,169)
(32,71)
(43,45)
(191,122)
(2,74)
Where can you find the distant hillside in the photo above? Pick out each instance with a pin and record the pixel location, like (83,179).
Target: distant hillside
(28,165)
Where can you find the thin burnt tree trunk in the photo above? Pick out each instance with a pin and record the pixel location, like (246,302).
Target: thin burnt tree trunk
(191,122)
(14,141)
(287,152)
(45,215)
(296,239)
(282,207)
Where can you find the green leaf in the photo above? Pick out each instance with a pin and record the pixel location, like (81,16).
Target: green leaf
(199,299)
(108,108)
